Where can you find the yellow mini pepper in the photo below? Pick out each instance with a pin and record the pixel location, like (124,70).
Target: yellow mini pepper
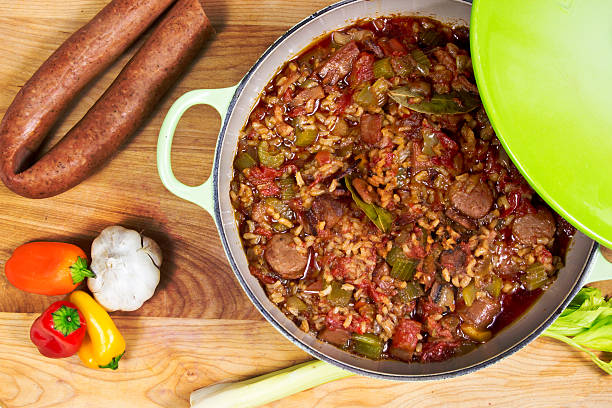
(103,345)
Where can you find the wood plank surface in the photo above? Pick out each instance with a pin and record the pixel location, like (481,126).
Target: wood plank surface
(196,278)
(199,328)
(170,357)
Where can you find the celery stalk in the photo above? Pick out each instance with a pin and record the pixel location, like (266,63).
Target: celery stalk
(266,388)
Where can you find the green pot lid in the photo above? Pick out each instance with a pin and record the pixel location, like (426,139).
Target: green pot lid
(544,71)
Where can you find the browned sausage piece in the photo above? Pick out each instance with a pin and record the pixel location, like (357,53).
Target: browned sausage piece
(454,260)
(304,96)
(118,113)
(460,219)
(531,229)
(282,256)
(370,127)
(481,313)
(328,209)
(339,64)
(364,190)
(338,337)
(472,200)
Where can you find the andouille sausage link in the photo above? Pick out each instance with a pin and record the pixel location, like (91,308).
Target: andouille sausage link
(118,112)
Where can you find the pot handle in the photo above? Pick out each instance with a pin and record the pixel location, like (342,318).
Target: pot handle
(600,268)
(201,195)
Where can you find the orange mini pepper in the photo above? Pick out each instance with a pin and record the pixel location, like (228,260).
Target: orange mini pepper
(47,268)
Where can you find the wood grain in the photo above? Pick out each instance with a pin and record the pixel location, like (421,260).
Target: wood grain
(197,281)
(167,358)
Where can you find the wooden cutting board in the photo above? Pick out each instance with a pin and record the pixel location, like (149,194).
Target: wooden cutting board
(199,328)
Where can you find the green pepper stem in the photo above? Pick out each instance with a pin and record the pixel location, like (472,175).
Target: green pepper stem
(66,320)
(79,271)
(114,363)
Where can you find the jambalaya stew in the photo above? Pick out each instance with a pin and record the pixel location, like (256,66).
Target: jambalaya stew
(376,205)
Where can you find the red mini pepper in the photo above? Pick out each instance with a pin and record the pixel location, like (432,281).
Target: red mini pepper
(59,331)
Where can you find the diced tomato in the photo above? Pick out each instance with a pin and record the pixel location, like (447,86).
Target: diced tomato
(519,205)
(323,157)
(343,101)
(389,158)
(287,96)
(363,69)
(263,178)
(263,231)
(269,189)
(397,47)
(264,276)
(289,168)
(262,174)
(297,111)
(435,329)
(543,255)
(428,308)
(406,334)
(446,160)
(336,321)
(514,198)
(258,113)
(447,142)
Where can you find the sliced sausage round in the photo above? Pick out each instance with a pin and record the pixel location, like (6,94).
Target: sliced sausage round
(538,228)
(284,258)
(473,201)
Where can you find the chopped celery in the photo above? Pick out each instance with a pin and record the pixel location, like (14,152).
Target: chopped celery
(403,269)
(429,141)
(288,188)
(279,206)
(464,62)
(394,255)
(412,291)
(379,89)
(365,97)
(495,286)
(369,345)
(469,294)
(244,161)
(309,83)
(432,38)
(294,302)
(268,159)
(383,68)
(403,66)
(278,227)
(535,277)
(338,296)
(378,215)
(422,62)
(305,137)
(403,178)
